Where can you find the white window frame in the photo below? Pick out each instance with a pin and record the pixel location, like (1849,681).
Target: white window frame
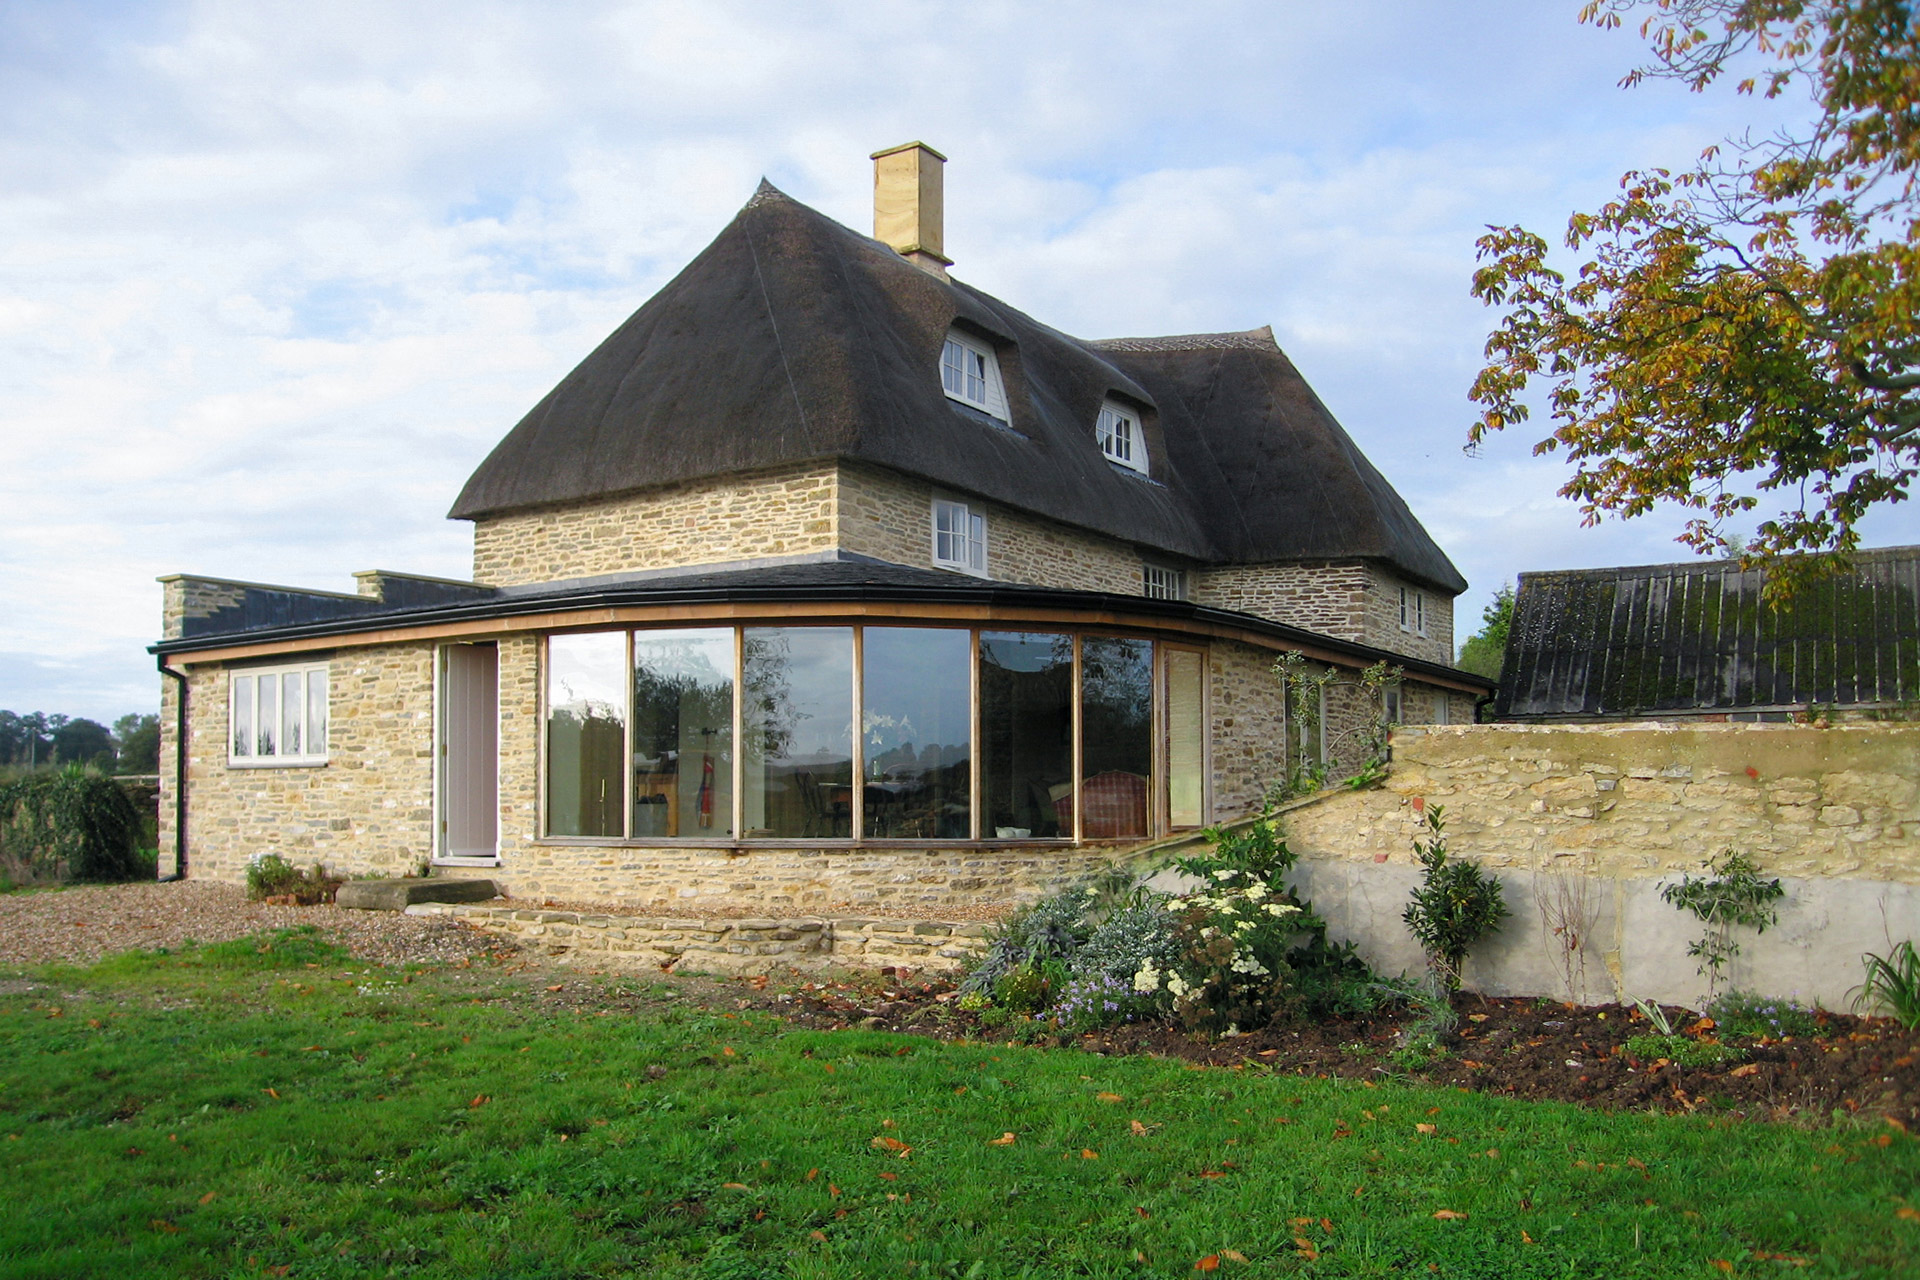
(248,679)
(1161,583)
(1406,611)
(970,374)
(1122,438)
(1420,613)
(959,538)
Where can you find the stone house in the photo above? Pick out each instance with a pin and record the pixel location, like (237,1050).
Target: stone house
(825,579)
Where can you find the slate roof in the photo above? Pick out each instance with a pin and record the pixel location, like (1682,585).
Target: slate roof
(1697,638)
(791,338)
(267,613)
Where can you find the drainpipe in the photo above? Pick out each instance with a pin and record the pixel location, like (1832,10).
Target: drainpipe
(1480,705)
(179,773)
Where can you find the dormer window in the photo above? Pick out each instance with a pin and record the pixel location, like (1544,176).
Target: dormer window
(970,373)
(1120,437)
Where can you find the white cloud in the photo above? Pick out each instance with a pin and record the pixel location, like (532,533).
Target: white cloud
(274,277)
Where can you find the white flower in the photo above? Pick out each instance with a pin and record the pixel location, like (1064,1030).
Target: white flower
(1247,964)
(1223,875)
(1177,986)
(1148,979)
(1281,909)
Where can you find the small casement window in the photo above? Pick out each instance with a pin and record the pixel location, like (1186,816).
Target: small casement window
(277,716)
(970,373)
(1120,439)
(1413,611)
(1390,704)
(959,538)
(1163,583)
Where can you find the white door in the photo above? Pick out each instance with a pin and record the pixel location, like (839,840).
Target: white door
(469,750)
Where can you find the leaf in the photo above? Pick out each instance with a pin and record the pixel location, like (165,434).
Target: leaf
(890,1177)
(479,1100)
(726,1051)
(1304,1247)
(812,1174)
(1425,1128)
(817,1235)
(1908,1212)
(887,1142)
(1233,1255)
(1721,1264)
(208,1198)
(1209,1263)
(1139,1130)
(1088,1153)
(1448,1215)
(1745,1069)
(833,1192)
(734,1186)
(1004,1140)
(271,1093)
(1212,1173)
(556,986)
(1109,1097)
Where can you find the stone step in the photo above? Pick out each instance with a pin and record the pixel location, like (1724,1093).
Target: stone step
(398,895)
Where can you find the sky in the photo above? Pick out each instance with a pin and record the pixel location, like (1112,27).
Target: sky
(275,277)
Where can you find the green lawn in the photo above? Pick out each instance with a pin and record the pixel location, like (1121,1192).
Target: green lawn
(205,1115)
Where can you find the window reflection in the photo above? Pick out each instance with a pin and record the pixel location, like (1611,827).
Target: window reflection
(798,720)
(1116,743)
(918,724)
(682,733)
(586,734)
(1026,731)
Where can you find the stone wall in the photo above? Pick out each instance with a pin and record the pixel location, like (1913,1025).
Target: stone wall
(1622,810)
(779,512)
(1346,599)
(731,946)
(368,810)
(890,517)
(183,597)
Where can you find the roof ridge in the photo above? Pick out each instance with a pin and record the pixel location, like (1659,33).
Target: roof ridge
(1260,339)
(765,193)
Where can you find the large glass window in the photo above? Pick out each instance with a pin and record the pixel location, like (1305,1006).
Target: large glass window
(1116,736)
(797,777)
(682,733)
(586,734)
(1026,731)
(917,726)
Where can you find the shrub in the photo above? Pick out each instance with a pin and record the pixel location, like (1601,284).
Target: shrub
(1455,906)
(1092,1001)
(1682,1050)
(271,876)
(1893,985)
(1051,929)
(1732,894)
(1231,971)
(68,824)
(1138,935)
(1746,1013)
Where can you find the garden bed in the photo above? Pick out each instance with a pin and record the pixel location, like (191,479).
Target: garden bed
(1513,1047)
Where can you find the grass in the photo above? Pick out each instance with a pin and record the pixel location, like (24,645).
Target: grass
(266,1107)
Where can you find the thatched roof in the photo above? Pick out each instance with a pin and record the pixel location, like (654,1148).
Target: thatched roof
(791,338)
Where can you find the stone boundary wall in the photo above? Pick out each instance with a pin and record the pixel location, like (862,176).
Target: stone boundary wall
(1621,811)
(726,946)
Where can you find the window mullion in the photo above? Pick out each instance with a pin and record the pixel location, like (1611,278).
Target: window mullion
(857,801)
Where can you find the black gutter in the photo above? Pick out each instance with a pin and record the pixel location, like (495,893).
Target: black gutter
(639,596)
(179,773)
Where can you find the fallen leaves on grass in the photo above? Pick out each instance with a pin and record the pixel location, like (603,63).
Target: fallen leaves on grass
(1209,1263)
(1110,1097)
(887,1142)
(1004,1140)
(1088,1153)
(1425,1128)
(208,1198)
(1448,1215)
(1908,1212)
(479,1100)
(734,1186)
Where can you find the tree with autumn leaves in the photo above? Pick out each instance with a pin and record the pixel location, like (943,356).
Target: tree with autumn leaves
(1742,333)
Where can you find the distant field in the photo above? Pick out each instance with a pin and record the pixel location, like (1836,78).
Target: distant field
(233,1111)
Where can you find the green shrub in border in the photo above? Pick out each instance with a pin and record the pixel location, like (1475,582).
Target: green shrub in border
(1683,1050)
(1892,985)
(1456,905)
(271,876)
(69,825)
(1747,1013)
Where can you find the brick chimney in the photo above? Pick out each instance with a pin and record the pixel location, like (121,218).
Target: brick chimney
(909,204)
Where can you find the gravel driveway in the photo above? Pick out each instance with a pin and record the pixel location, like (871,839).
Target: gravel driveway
(80,924)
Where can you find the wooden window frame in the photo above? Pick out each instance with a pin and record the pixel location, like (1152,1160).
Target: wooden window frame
(305,759)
